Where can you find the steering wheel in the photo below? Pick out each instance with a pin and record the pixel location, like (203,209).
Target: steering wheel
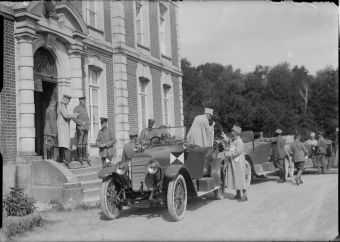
(155,138)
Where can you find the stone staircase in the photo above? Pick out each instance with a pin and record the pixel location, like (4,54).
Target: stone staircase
(90,183)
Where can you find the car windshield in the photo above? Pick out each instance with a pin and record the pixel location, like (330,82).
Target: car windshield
(172,133)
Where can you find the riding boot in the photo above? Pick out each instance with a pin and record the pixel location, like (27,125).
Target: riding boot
(238,195)
(65,158)
(85,155)
(80,156)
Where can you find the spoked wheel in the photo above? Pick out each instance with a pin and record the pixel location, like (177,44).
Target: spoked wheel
(248,173)
(177,198)
(109,199)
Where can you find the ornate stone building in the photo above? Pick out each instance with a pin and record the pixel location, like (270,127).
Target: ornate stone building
(122,55)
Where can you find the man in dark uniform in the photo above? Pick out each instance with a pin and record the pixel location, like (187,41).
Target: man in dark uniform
(279,154)
(105,142)
(82,129)
(130,148)
(147,133)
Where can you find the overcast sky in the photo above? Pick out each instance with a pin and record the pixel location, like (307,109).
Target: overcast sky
(245,34)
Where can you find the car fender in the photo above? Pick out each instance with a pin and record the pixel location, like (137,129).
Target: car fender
(172,171)
(107,171)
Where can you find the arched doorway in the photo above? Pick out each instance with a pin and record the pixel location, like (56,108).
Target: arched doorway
(45,91)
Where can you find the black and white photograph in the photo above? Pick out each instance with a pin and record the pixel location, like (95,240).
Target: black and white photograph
(163,120)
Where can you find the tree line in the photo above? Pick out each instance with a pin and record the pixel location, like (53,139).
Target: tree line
(264,99)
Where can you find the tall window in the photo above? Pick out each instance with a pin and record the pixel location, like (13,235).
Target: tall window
(142,23)
(164,28)
(91,13)
(166,104)
(94,100)
(143,98)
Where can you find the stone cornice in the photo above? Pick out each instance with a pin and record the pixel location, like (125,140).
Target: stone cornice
(6,11)
(101,46)
(152,61)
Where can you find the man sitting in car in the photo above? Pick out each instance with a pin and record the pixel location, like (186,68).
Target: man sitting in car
(147,133)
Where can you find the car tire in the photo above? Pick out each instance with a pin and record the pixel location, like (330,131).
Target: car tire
(108,194)
(177,197)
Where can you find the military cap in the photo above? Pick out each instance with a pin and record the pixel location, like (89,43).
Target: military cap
(67,96)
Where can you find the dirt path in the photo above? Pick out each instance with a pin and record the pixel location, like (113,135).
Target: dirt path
(274,211)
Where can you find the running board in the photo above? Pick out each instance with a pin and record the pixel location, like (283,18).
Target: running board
(200,194)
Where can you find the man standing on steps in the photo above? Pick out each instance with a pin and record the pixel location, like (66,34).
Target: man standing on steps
(63,125)
(82,129)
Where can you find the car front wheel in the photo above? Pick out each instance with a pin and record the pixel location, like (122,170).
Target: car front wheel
(109,199)
(177,198)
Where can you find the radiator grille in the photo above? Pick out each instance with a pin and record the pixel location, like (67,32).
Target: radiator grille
(138,172)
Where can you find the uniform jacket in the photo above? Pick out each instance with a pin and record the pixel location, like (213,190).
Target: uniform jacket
(83,120)
(322,146)
(298,151)
(63,124)
(128,151)
(105,138)
(279,151)
(51,122)
(201,133)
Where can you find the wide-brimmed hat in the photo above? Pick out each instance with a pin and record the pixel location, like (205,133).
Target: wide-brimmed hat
(236,129)
(209,111)
(278,131)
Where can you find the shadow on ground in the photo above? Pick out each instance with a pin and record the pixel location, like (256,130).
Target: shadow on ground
(156,212)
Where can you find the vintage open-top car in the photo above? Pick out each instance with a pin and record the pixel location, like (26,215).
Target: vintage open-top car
(166,171)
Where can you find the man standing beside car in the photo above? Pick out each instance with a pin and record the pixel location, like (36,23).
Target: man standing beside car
(279,154)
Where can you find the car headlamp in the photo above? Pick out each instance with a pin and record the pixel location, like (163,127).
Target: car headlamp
(153,167)
(121,169)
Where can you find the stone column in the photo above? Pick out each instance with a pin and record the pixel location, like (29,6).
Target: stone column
(121,108)
(26,109)
(76,89)
(181,99)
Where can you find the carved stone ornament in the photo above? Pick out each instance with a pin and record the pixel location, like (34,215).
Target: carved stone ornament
(50,9)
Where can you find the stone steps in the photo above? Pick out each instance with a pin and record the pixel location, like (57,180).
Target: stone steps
(90,183)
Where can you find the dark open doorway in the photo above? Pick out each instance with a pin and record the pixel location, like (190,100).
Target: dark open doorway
(45,91)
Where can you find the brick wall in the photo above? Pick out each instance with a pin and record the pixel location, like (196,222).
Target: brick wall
(157,99)
(129,25)
(132,94)
(8,140)
(177,103)
(154,29)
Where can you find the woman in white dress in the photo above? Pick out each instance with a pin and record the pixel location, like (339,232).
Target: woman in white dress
(236,167)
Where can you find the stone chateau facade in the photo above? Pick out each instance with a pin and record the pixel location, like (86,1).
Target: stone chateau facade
(123,56)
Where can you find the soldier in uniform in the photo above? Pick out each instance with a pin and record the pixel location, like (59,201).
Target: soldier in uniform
(147,133)
(279,154)
(105,142)
(82,128)
(130,148)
